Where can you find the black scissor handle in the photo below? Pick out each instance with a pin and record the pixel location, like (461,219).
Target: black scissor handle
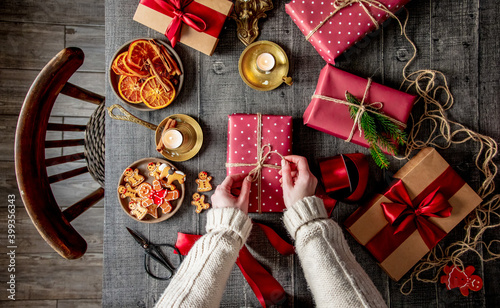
(153,251)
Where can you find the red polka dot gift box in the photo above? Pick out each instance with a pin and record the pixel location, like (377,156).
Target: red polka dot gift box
(333,26)
(255,144)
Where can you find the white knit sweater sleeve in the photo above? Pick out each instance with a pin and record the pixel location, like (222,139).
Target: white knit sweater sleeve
(331,271)
(201,279)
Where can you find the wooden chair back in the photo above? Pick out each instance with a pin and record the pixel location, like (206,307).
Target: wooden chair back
(31,166)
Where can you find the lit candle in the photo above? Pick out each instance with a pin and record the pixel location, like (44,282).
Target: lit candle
(265,62)
(172,139)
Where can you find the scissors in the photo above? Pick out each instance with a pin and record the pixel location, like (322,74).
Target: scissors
(154,251)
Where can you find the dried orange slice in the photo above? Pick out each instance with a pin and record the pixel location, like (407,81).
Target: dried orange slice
(138,53)
(154,95)
(130,88)
(120,67)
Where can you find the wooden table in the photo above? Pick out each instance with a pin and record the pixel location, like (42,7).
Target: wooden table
(457,38)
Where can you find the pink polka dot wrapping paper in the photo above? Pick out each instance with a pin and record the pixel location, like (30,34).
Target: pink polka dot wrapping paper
(348,26)
(242,148)
(334,119)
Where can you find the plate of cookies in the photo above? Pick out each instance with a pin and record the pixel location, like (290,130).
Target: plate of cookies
(151,190)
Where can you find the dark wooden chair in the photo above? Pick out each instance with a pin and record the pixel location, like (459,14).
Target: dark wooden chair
(31,166)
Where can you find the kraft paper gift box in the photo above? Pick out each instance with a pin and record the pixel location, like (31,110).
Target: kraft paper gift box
(343,23)
(159,15)
(247,145)
(334,118)
(437,200)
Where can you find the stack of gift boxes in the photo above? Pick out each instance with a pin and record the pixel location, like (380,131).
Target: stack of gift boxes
(428,198)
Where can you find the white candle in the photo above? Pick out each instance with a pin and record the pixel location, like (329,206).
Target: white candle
(172,139)
(265,61)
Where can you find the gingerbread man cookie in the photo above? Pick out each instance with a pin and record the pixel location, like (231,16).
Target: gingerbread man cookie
(126,191)
(199,202)
(153,170)
(203,182)
(133,177)
(464,280)
(137,210)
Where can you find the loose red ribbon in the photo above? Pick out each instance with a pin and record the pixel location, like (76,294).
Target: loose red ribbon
(176,7)
(403,214)
(266,288)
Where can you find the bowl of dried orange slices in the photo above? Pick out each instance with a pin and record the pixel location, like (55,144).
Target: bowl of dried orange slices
(146,74)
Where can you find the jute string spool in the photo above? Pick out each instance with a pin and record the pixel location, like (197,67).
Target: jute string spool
(262,155)
(341,4)
(362,108)
(428,84)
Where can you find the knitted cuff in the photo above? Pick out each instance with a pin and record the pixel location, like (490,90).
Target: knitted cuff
(229,219)
(302,212)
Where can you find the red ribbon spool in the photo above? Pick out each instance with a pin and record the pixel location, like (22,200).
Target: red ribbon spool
(345,176)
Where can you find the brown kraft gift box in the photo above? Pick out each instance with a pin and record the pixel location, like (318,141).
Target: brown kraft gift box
(426,173)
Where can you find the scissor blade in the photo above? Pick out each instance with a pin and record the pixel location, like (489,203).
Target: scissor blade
(137,237)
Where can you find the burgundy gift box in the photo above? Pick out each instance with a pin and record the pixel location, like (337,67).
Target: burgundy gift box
(247,145)
(334,119)
(350,22)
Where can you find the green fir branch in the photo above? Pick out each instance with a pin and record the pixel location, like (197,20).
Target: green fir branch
(379,131)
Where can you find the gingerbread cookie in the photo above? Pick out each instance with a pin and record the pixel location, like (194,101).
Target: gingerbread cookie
(126,191)
(137,210)
(154,171)
(199,202)
(170,175)
(133,177)
(144,190)
(203,182)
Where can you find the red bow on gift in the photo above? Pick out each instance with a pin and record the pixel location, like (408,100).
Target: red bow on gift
(403,213)
(176,7)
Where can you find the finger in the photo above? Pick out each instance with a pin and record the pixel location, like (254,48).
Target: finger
(245,190)
(299,161)
(230,179)
(286,174)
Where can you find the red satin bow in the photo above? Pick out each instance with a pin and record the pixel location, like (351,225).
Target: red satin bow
(403,213)
(176,7)
(267,289)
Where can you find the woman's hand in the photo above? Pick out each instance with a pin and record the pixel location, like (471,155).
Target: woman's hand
(233,192)
(297,180)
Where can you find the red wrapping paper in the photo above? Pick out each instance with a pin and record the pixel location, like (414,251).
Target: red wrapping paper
(242,148)
(348,26)
(398,247)
(333,118)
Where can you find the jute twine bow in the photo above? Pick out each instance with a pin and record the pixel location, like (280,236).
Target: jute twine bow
(340,4)
(362,108)
(262,155)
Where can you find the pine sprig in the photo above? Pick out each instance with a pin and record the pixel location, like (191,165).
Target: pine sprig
(379,131)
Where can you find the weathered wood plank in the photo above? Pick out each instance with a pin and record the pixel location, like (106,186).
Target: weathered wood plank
(29,46)
(48,276)
(79,303)
(87,12)
(29,303)
(488,91)
(16,84)
(29,241)
(91,41)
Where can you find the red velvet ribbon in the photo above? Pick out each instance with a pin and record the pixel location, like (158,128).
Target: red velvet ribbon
(267,289)
(403,214)
(175,8)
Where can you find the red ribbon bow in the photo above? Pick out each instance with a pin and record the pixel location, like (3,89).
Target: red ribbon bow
(266,288)
(403,213)
(176,7)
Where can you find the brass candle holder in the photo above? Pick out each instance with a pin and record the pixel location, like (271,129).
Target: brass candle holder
(259,78)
